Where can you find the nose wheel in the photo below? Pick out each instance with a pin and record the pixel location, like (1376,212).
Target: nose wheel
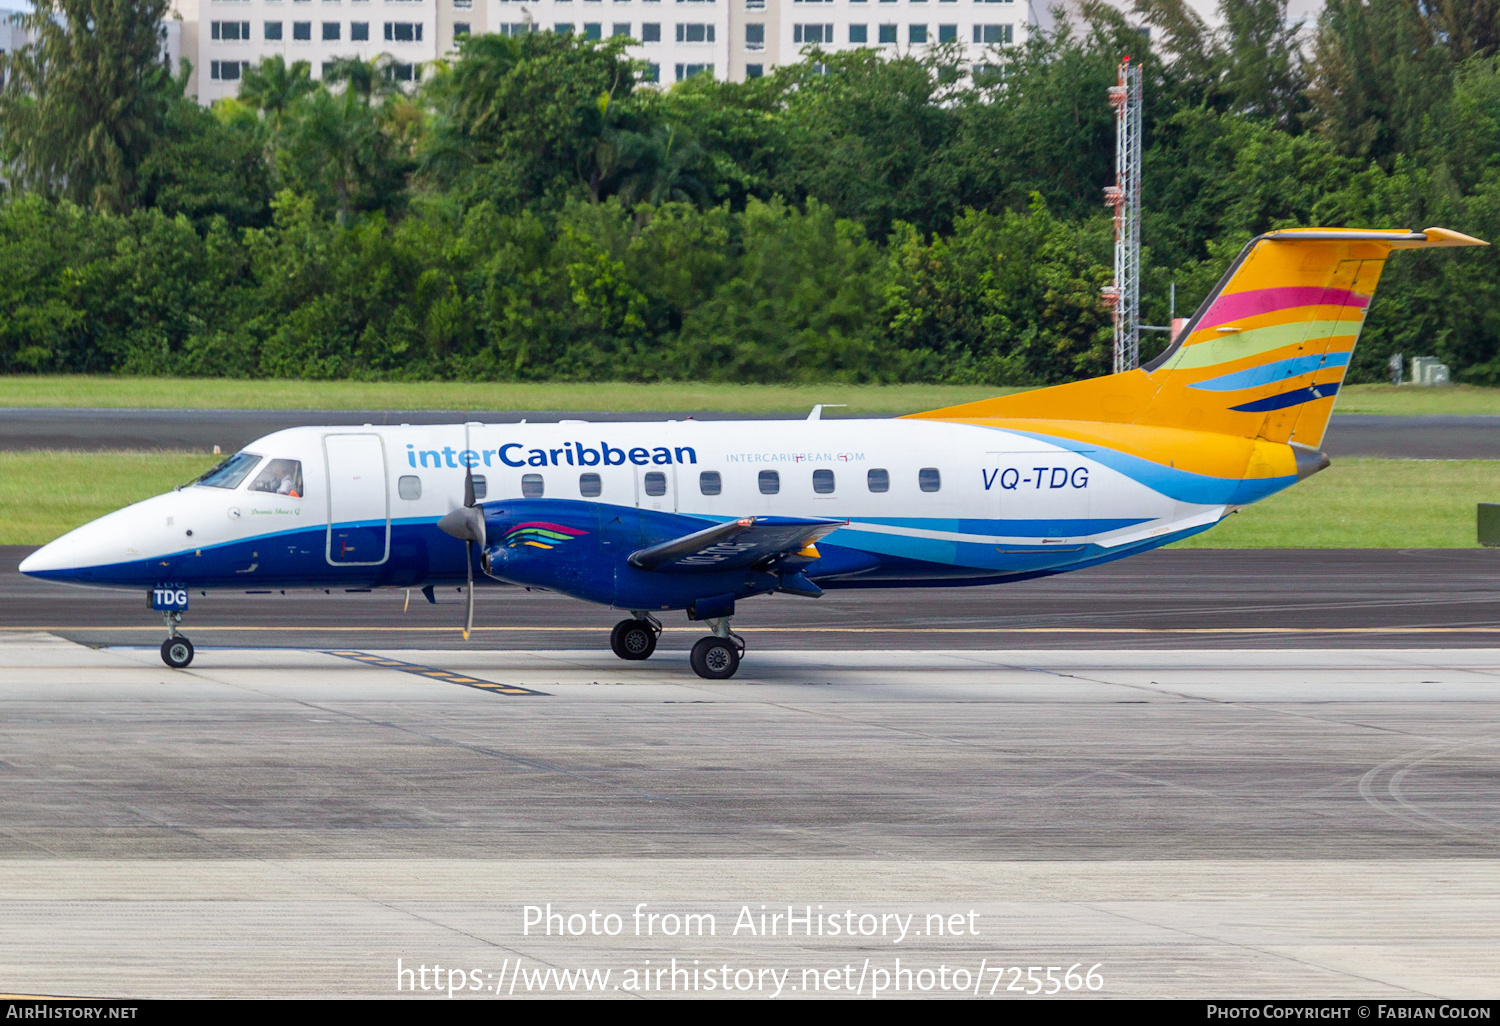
(177,650)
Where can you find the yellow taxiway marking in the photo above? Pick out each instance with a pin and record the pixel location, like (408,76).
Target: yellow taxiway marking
(432,672)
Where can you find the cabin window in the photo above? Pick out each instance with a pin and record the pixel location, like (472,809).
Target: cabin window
(878,480)
(281,477)
(531,486)
(770,482)
(823,482)
(481,487)
(656,483)
(709,482)
(590,486)
(409,486)
(231,472)
(929,480)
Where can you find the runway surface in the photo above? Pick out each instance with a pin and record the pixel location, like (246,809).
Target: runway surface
(1266,598)
(1195,823)
(1433,437)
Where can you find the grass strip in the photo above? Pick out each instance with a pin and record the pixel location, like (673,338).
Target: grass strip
(616,397)
(1357,503)
(613,397)
(46,494)
(1367,503)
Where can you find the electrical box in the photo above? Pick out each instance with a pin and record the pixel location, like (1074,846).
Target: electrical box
(1427,371)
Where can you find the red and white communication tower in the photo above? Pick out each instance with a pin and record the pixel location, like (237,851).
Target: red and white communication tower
(1124,293)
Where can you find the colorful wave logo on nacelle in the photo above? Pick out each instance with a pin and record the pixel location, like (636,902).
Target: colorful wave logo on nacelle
(540,535)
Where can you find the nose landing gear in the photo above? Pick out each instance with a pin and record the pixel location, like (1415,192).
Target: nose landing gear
(717,657)
(177,650)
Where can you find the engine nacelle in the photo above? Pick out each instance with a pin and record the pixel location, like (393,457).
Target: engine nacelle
(582,549)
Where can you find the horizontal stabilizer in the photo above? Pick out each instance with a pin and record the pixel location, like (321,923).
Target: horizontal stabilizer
(749,541)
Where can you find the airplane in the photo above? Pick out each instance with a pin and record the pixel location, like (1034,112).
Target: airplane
(701,515)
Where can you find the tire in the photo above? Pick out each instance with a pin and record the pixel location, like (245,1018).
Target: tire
(177,652)
(632,639)
(715,659)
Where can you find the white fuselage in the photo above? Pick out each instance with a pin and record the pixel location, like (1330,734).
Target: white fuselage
(938,493)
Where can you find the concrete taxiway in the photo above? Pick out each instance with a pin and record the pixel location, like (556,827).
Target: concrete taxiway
(1203,823)
(1261,598)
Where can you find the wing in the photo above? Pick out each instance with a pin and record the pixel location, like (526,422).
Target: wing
(749,541)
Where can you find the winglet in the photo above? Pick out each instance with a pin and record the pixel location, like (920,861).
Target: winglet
(1444,237)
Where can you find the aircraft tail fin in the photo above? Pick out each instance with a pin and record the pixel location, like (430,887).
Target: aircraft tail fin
(1264,355)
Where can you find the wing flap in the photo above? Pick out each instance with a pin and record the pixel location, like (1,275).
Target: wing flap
(747,541)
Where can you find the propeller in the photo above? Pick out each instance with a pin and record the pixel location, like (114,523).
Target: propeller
(467,524)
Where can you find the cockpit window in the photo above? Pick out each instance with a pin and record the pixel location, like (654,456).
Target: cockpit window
(283,477)
(231,472)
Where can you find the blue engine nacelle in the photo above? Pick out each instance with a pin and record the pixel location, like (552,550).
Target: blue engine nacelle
(582,549)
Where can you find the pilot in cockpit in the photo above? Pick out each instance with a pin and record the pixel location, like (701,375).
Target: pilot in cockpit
(281,477)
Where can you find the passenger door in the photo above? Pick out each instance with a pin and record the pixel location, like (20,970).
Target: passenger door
(359,505)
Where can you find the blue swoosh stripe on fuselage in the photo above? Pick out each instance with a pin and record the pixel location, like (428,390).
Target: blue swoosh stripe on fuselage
(1048,528)
(1266,374)
(1182,485)
(1293,398)
(1091,555)
(296,558)
(421,554)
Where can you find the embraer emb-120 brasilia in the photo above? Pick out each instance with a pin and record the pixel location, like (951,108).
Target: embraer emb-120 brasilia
(699,515)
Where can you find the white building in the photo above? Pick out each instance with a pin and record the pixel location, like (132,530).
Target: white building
(739,39)
(233,35)
(730,39)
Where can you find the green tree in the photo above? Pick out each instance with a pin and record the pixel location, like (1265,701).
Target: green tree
(802,305)
(518,119)
(369,80)
(272,86)
(1040,126)
(208,164)
(1378,72)
(1011,298)
(334,147)
(866,132)
(86,100)
(1262,61)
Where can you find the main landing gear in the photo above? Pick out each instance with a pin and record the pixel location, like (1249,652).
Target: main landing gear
(717,656)
(177,650)
(635,638)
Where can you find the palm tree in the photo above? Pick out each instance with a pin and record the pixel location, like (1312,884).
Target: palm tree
(273,86)
(86,99)
(368,80)
(334,144)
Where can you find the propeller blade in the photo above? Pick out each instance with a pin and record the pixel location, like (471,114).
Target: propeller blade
(468,524)
(469,598)
(468,471)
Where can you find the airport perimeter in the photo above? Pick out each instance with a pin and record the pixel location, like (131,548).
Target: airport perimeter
(1230,823)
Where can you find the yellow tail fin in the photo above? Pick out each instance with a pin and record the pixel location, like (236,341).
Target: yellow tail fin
(1263,357)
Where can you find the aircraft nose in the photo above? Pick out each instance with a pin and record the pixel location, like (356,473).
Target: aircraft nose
(72,556)
(48,557)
